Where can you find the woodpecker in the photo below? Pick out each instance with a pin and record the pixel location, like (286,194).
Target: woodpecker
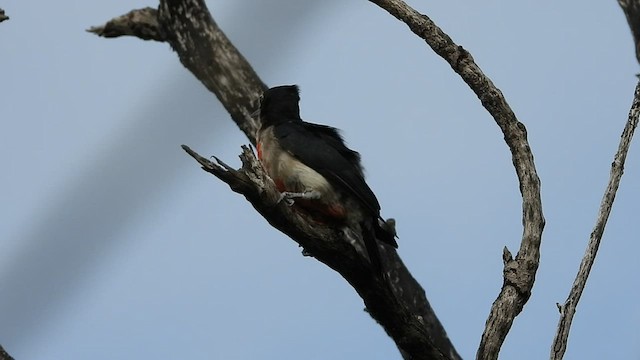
(316,172)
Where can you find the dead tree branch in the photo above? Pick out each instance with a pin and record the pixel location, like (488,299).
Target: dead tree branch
(3,17)
(141,23)
(4,355)
(631,10)
(568,309)
(399,305)
(519,273)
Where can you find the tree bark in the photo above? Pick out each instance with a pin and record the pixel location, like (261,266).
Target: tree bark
(399,303)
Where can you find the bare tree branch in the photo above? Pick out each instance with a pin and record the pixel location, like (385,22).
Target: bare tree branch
(519,273)
(631,10)
(142,23)
(3,17)
(568,309)
(4,355)
(399,305)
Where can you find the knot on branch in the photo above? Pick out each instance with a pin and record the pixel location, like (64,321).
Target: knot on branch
(517,274)
(460,58)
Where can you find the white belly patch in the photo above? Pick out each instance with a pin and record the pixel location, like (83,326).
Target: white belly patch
(282,166)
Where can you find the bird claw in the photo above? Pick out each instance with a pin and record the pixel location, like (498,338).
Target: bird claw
(289,197)
(286,198)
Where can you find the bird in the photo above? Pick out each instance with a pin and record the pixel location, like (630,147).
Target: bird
(316,172)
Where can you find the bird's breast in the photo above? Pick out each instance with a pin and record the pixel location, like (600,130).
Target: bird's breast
(288,172)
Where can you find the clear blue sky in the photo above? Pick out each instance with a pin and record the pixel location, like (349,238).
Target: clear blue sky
(114,244)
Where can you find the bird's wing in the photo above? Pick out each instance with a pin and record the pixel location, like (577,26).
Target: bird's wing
(321,148)
(332,136)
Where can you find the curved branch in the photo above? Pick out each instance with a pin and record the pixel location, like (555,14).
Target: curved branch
(399,305)
(519,273)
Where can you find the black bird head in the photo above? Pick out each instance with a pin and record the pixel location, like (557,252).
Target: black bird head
(280,104)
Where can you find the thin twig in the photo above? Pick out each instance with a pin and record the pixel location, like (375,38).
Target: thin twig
(519,273)
(568,309)
(631,9)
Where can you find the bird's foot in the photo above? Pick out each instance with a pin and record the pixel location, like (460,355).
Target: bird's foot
(289,197)
(287,200)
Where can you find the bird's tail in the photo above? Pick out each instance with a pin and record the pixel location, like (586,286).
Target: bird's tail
(372,231)
(369,237)
(385,231)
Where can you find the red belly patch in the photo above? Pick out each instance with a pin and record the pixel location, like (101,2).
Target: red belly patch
(279,185)
(321,212)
